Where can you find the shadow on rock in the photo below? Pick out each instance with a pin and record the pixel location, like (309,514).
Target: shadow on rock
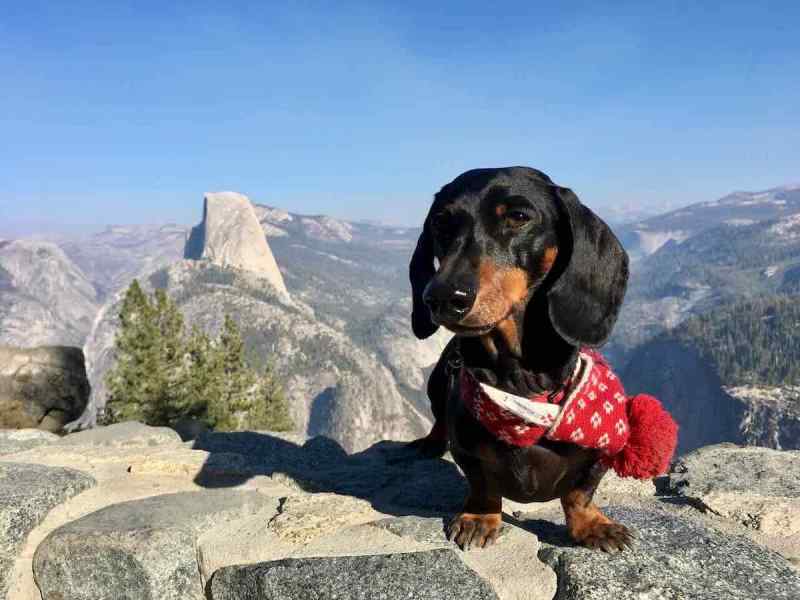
(547,532)
(388,474)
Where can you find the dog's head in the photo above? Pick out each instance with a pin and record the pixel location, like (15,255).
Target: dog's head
(501,235)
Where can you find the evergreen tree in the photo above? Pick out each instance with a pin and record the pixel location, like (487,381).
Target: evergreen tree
(271,410)
(240,385)
(131,383)
(749,342)
(203,383)
(167,402)
(162,375)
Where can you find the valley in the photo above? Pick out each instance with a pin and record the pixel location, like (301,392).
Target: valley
(328,301)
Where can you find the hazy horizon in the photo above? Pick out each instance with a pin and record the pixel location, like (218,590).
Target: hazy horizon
(615,215)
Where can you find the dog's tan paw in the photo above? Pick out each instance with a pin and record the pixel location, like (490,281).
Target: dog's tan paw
(603,534)
(472,530)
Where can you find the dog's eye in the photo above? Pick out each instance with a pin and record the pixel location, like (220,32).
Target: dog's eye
(517,218)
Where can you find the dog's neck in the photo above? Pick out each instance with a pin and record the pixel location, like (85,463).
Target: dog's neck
(524,354)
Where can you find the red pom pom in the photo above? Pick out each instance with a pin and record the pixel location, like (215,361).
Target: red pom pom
(652,441)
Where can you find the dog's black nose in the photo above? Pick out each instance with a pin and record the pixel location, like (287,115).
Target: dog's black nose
(448,303)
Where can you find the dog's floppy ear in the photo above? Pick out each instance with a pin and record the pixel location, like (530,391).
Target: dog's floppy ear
(585,299)
(421,270)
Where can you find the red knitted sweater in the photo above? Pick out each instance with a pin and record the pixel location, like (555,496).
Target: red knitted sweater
(636,435)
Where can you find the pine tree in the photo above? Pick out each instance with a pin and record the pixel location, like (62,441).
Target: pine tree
(271,410)
(162,375)
(134,378)
(167,403)
(203,383)
(240,384)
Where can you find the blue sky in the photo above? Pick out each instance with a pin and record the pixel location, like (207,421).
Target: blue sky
(127,113)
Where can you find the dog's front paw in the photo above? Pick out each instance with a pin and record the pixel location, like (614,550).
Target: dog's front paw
(603,534)
(469,529)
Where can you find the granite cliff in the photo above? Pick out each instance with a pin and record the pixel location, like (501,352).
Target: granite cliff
(690,389)
(350,366)
(45,298)
(728,375)
(230,235)
(334,387)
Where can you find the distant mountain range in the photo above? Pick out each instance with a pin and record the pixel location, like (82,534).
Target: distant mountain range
(340,339)
(720,262)
(643,237)
(732,265)
(45,298)
(348,306)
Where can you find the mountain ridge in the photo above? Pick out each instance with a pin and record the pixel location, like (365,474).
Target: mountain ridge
(351,278)
(644,237)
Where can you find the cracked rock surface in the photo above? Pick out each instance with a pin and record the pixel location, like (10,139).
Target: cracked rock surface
(430,575)
(139,549)
(673,559)
(130,511)
(27,493)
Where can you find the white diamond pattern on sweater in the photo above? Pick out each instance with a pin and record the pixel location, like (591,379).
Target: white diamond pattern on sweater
(593,409)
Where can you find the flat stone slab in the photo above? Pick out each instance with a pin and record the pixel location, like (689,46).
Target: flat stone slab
(730,468)
(432,575)
(673,559)
(19,440)
(27,493)
(120,435)
(305,517)
(511,566)
(758,487)
(385,474)
(144,549)
(427,530)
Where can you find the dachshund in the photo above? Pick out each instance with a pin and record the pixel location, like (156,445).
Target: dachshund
(526,276)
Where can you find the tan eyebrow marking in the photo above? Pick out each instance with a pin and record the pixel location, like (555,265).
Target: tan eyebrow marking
(548,259)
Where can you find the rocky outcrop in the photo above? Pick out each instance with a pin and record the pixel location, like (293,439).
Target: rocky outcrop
(27,493)
(708,566)
(41,387)
(45,299)
(139,549)
(129,433)
(428,575)
(257,514)
(230,235)
(772,415)
(707,411)
(690,389)
(757,487)
(19,440)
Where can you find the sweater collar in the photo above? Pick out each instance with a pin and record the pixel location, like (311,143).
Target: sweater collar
(540,409)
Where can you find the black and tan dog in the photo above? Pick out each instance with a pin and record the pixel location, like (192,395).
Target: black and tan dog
(526,276)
